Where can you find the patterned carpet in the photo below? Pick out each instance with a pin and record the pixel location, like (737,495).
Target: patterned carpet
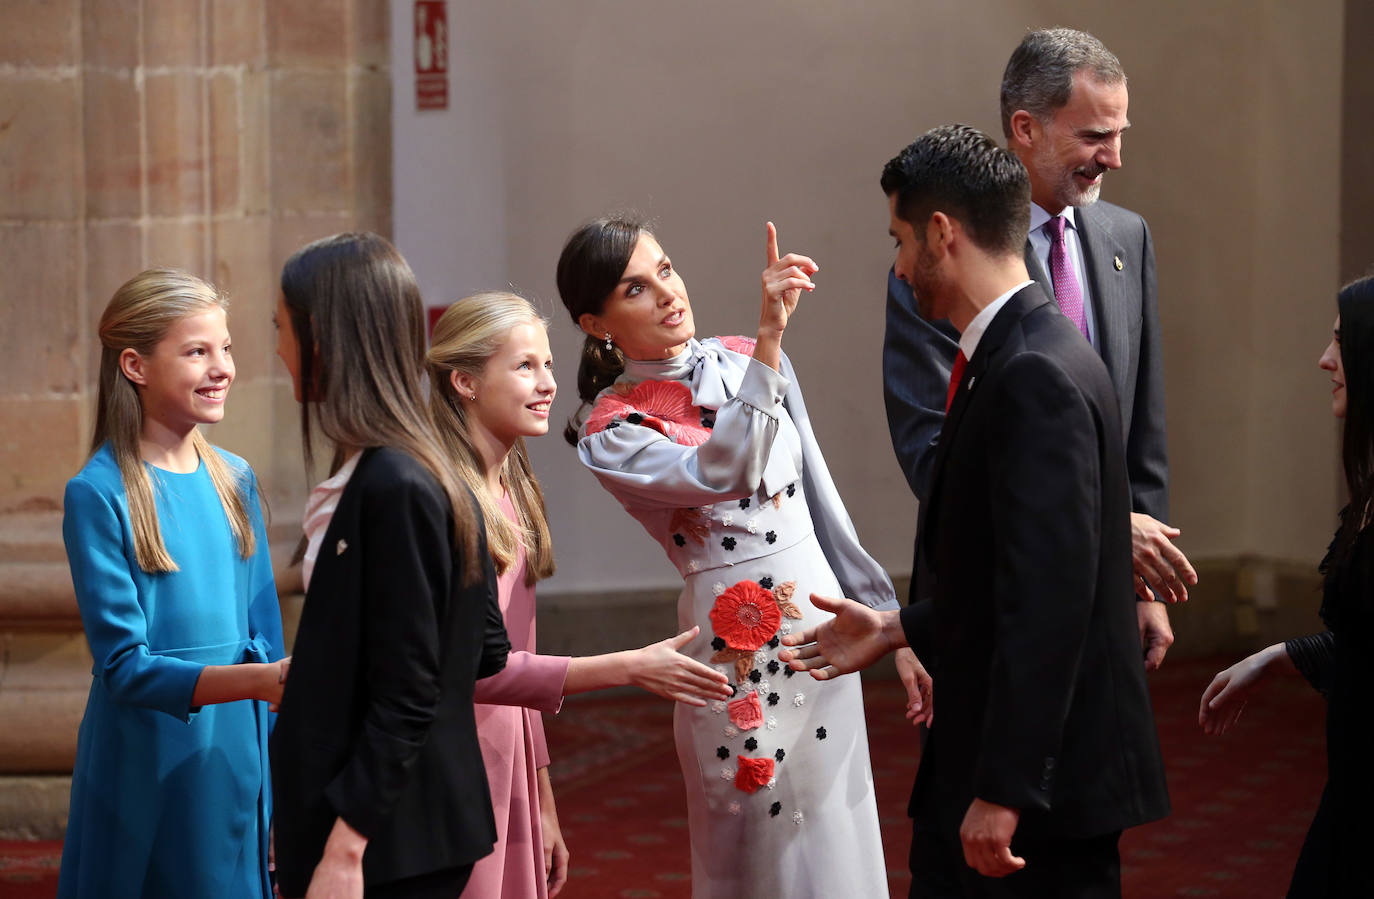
(1241,802)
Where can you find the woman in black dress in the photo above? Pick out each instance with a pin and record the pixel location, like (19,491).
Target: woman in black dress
(1339,661)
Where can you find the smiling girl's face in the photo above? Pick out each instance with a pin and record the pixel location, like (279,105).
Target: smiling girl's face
(516,389)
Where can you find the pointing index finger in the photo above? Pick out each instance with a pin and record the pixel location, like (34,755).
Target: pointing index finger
(772,245)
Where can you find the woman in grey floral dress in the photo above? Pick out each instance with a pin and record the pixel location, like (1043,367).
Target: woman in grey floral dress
(707,444)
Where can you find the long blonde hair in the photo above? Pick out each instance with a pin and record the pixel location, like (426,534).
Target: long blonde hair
(138,317)
(359,323)
(466,336)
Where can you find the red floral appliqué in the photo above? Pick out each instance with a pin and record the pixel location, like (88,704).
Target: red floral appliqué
(745,616)
(665,406)
(739,344)
(746,713)
(753,773)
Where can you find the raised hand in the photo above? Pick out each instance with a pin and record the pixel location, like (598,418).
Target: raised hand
(783,281)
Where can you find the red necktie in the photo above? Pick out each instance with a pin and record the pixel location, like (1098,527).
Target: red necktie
(955,374)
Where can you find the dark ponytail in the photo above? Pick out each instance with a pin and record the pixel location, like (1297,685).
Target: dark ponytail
(592,262)
(1355,303)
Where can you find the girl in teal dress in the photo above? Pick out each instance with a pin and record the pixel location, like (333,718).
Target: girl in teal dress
(164,535)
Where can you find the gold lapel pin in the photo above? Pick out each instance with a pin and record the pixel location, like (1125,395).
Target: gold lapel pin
(339,549)
(1119,264)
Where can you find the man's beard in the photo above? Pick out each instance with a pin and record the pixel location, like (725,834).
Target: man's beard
(925,286)
(1065,190)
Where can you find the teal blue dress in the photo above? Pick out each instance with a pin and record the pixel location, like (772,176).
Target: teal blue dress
(168,800)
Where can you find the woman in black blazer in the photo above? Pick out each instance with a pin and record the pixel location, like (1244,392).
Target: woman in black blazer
(378,779)
(1337,661)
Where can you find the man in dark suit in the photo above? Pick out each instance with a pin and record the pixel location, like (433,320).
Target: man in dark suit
(1064,104)
(1043,747)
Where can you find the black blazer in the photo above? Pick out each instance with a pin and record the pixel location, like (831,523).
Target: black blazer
(376,724)
(1025,606)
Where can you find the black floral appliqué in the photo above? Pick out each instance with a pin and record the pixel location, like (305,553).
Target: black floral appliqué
(755,676)
(728,543)
(679,540)
(820,733)
(773,644)
(780,754)
(772,663)
(744,503)
(788,672)
(634,418)
(791,490)
(751,744)
(775,809)
(773,698)
(722,753)
(766,582)
(613,423)
(717,644)
(771,537)
(708,418)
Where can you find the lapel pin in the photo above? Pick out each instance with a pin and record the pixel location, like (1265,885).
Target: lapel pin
(340,547)
(971,380)
(1116,260)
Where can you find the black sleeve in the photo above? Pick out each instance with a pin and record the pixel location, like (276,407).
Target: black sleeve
(1147,451)
(495,641)
(1315,658)
(1043,454)
(406,574)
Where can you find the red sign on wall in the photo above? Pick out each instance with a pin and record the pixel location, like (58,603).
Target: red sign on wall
(431,54)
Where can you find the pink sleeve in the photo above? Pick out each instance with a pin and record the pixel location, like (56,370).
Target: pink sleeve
(529,680)
(541,746)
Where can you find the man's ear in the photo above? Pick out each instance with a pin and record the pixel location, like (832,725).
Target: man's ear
(939,233)
(1026,130)
(131,365)
(591,324)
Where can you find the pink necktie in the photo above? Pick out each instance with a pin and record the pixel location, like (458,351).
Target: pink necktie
(955,374)
(1066,290)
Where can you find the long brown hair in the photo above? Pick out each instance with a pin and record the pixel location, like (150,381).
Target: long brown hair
(138,317)
(466,336)
(589,268)
(359,323)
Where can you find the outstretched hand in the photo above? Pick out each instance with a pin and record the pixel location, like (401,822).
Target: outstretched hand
(1162,571)
(662,669)
(854,639)
(1225,697)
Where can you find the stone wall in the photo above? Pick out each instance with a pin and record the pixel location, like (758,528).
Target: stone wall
(211,135)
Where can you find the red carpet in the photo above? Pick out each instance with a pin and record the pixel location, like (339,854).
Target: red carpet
(1241,802)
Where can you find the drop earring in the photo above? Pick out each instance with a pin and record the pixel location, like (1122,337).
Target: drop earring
(609,346)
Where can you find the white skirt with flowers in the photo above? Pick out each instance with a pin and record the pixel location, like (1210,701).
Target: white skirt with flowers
(779,790)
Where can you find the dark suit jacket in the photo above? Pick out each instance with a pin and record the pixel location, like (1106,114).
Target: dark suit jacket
(1025,561)
(376,724)
(918,355)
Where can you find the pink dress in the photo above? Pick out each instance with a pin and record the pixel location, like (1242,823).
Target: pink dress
(511,732)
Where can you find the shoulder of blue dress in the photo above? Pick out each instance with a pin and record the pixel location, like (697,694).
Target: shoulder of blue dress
(101,468)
